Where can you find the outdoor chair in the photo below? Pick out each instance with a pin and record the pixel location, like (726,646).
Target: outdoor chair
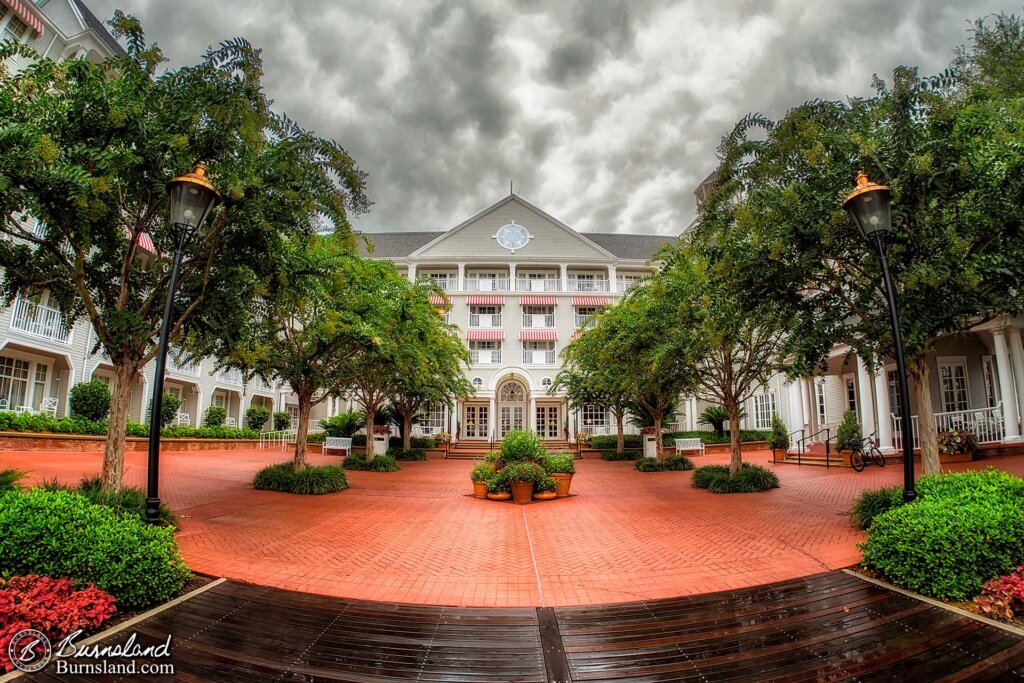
(49,405)
(689,445)
(184,419)
(230,422)
(4,405)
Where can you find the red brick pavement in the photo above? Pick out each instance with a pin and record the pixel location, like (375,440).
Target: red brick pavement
(418,536)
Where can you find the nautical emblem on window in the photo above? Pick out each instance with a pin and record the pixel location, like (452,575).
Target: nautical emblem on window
(512,236)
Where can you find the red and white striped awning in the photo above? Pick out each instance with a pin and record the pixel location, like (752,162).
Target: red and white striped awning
(144,241)
(538,335)
(485,335)
(590,301)
(577,334)
(25,14)
(485,300)
(538,301)
(440,300)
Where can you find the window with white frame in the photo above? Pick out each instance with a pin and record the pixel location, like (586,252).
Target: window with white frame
(585,315)
(851,393)
(539,352)
(478,382)
(894,392)
(991,390)
(593,415)
(14,28)
(484,316)
(13,381)
(819,388)
(538,316)
(953,380)
(434,416)
(39,391)
(546,382)
(764,410)
(485,352)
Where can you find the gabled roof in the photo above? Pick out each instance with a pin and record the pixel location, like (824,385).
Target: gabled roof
(97,27)
(396,244)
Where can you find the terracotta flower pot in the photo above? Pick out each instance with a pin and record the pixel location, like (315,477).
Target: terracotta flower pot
(562,482)
(522,492)
(545,495)
(480,489)
(501,495)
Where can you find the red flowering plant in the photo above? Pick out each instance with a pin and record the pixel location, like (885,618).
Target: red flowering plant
(1003,598)
(52,606)
(649,429)
(381,429)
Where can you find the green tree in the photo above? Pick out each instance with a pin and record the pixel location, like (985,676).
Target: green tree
(87,148)
(950,147)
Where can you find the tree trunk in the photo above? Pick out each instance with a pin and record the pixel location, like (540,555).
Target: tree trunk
(925,418)
(620,437)
(406,431)
(736,463)
(117,427)
(369,431)
(657,435)
(305,406)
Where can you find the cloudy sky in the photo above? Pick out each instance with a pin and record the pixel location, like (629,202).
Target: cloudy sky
(605,113)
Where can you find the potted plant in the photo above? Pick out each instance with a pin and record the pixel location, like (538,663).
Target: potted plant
(479,476)
(498,487)
(560,467)
(583,438)
(522,476)
(847,433)
(521,446)
(779,439)
(545,489)
(442,437)
(957,445)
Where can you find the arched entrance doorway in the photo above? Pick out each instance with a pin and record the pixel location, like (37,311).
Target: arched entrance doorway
(512,403)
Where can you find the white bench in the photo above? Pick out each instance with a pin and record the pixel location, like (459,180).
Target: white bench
(689,445)
(337,443)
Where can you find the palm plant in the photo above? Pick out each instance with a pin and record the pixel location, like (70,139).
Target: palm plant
(717,416)
(344,424)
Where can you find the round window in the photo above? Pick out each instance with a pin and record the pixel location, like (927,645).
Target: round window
(512,236)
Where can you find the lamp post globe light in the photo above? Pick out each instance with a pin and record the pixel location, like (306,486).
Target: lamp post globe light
(192,197)
(869,207)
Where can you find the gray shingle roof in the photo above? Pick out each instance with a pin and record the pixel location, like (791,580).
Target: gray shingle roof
(622,245)
(97,27)
(395,244)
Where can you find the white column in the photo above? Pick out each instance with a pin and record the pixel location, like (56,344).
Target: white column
(867,401)
(531,419)
(885,442)
(691,413)
(611,279)
(492,419)
(460,284)
(1011,425)
(1017,361)
(796,406)
(412,272)
(805,398)
(565,277)
(512,277)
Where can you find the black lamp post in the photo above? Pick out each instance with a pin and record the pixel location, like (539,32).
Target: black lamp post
(192,198)
(868,206)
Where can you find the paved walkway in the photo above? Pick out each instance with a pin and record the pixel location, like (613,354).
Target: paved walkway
(417,536)
(828,627)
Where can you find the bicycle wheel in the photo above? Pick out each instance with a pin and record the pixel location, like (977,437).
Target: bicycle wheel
(877,456)
(857,461)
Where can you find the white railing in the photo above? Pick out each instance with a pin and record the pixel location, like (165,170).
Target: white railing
(485,357)
(485,319)
(584,321)
(314,426)
(597,430)
(985,423)
(40,321)
(182,364)
(487,284)
(538,320)
(623,284)
(33,225)
(425,430)
(535,357)
(527,284)
(260,384)
(447,284)
(587,285)
(276,439)
(230,375)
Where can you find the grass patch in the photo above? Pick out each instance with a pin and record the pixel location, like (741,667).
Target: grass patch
(311,481)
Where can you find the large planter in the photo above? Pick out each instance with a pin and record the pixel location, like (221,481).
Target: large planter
(846,455)
(380,444)
(562,482)
(522,492)
(480,489)
(546,495)
(501,495)
(778,455)
(946,458)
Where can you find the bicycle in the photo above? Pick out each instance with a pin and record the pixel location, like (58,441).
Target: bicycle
(865,452)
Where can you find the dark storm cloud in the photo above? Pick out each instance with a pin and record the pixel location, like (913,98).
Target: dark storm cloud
(606,113)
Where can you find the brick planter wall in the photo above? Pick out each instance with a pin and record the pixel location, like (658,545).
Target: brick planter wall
(79,443)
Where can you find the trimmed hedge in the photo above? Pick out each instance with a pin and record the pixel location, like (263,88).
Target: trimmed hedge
(411,454)
(378,463)
(672,463)
(396,441)
(314,480)
(874,502)
(631,441)
(750,479)
(59,533)
(26,422)
(90,400)
(612,456)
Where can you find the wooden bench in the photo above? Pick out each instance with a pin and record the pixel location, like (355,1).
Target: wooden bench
(689,445)
(337,443)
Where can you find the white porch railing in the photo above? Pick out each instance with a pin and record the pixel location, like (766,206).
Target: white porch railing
(547,284)
(182,364)
(584,321)
(539,320)
(485,357)
(230,375)
(587,285)
(538,357)
(40,321)
(487,320)
(623,284)
(985,423)
(276,439)
(597,430)
(314,426)
(487,284)
(447,284)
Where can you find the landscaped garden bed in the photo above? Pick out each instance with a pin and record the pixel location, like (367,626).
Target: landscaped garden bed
(750,479)
(523,471)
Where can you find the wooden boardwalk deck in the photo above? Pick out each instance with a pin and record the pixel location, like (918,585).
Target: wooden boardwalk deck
(827,627)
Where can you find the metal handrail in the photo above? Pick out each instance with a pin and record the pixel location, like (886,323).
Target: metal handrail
(828,445)
(799,443)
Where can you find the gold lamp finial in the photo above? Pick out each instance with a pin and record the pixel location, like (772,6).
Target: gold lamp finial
(864,185)
(198,177)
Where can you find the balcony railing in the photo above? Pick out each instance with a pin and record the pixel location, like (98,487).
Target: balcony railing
(534,357)
(485,356)
(584,321)
(230,375)
(447,284)
(623,284)
(182,364)
(40,321)
(985,423)
(487,284)
(535,320)
(259,384)
(548,284)
(587,285)
(485,320)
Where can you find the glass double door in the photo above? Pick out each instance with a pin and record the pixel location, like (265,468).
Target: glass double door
(548,422)
(510,418)
(476,421)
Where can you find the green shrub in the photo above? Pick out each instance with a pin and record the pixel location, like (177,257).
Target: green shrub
(59,533)
(256,417)
(169,406)
(523,471)
(186,432)
(314,480)
(499,483)
(779,437)
(131,500)
(521,446)
(482,471)
(378,463)
(422,442)
(649,465)
(988,485)
(602,442)
(750,479)
(746,436)
(947,547)
(677,463)
(344,425)
(716,417)
(90,400)
(873,502)
(545,484)
(848,431)
(559,463)
(319,437)
(411,454)
(354,461)
(493,458)
(282,421)
(215,416)
(611,455)
(9,479)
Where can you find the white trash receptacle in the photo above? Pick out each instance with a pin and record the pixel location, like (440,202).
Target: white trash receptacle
(380,444)
(650,446)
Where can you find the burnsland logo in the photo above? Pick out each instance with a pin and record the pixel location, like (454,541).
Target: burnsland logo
(30,651)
